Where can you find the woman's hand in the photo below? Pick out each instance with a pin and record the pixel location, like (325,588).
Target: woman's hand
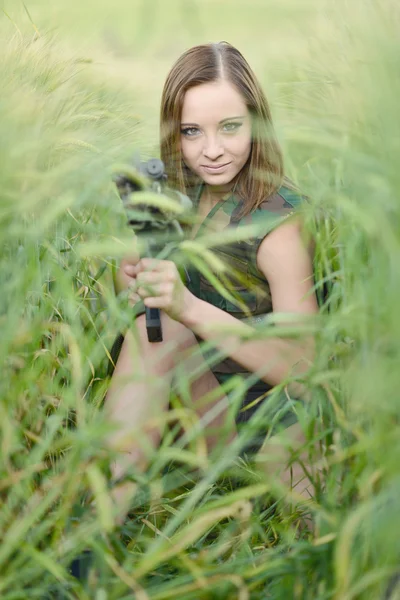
(159,284)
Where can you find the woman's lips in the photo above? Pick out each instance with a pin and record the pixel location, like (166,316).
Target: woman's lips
(215,168)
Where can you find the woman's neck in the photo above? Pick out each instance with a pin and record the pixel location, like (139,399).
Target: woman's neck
(213,194)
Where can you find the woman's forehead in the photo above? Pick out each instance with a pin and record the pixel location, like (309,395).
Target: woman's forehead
(212,102)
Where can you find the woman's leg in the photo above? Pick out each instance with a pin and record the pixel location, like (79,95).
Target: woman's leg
(139,393)
(292,478)
(277,452)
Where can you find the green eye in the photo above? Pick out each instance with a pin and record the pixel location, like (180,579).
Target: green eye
(234,126)
(189,131)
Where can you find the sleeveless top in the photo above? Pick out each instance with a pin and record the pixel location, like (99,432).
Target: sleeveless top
(246,283)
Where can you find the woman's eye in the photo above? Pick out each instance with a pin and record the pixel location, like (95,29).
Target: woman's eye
(232,126)
(189,131)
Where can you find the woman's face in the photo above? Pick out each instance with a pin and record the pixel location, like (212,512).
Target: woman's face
(215,132)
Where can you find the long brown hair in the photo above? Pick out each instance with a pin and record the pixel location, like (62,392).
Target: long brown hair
(262,174)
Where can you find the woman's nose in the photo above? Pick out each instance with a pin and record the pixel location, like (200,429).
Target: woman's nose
(213,148)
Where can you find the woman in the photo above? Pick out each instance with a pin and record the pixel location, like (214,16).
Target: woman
(218,146)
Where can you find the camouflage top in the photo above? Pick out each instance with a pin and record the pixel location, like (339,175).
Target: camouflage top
(244,280)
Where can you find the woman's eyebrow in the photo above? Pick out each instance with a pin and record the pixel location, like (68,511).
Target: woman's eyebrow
(220,122)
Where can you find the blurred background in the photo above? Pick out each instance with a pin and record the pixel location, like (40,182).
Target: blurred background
(133,44)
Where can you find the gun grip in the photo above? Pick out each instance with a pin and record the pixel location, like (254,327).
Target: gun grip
(153,325)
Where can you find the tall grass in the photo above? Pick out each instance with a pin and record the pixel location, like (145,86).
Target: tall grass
(199,528)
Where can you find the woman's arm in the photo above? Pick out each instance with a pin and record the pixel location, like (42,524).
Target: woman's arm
(287,265)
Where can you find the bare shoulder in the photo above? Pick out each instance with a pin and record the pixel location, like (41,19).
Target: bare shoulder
(287,264)
(281,244)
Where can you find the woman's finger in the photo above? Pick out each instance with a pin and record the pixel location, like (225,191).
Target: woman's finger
(133,285)
(133,298)
(130,259)
(147,291)
(150,264)
(155,290)
(159,302)
(130,269)
(151,277)
(155,264)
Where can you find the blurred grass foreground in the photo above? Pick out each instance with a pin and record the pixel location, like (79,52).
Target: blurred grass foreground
(80,88)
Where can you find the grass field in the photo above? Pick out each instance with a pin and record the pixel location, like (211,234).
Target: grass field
(80,90)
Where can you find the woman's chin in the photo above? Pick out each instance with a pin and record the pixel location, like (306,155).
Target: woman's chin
(217,180)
